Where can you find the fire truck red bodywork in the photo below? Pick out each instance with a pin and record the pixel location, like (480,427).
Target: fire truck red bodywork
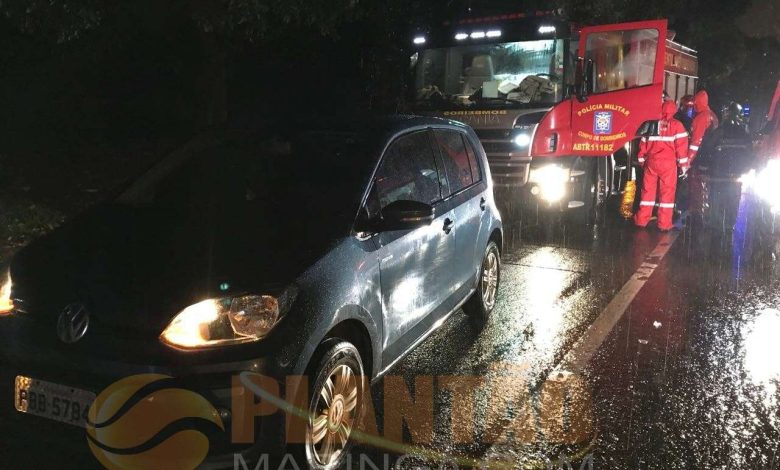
(769,145)
(602,123)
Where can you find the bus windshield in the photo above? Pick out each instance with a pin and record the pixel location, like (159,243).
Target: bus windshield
(507,74)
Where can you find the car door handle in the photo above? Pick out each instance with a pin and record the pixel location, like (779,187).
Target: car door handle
(483,203)
(448,224)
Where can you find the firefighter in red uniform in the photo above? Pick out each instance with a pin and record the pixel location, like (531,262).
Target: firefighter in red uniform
(660,154)
(702,121)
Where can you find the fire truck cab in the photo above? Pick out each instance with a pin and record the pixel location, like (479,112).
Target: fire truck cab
(558,107)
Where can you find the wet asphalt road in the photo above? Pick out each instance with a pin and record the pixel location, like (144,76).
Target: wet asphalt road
(685,378)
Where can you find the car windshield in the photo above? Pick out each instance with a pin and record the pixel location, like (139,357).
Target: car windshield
(312,174)
(512,73)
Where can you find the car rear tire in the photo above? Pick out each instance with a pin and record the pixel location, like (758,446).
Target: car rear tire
(335,405)
(482,303)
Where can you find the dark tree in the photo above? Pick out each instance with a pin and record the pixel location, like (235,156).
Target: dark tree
(219,26)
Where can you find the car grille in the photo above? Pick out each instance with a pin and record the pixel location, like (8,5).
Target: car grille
(493,134)
(508,173)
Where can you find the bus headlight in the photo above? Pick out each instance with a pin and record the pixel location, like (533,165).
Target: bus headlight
(551,181)
(522,140)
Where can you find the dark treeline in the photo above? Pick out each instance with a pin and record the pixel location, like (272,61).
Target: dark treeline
(80,70)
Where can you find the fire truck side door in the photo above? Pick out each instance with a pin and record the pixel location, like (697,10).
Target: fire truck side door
(625,89)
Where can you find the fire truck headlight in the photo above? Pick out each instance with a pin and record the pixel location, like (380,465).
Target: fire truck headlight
(551,181)
(522,140)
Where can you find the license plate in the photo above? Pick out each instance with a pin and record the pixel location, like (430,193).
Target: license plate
(53,401)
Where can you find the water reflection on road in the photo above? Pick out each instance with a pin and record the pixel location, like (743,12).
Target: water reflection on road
(687,378)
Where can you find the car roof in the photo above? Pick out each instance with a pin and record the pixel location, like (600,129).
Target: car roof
(376,125)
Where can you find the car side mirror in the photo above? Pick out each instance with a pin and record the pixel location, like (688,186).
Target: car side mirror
(405,215)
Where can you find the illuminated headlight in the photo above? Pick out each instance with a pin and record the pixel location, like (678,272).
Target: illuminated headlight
(764,183)
(419,40)
(522,140)
(551,180)
(226,321)
(6,303)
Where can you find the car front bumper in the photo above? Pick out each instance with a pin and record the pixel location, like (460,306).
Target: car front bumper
(214,381)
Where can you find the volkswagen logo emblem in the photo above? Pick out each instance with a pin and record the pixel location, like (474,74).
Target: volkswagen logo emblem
(73,323)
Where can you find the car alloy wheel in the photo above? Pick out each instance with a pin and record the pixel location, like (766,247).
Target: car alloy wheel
(335,408)
(490,280)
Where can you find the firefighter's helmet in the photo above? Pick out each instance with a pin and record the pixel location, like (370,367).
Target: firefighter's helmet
(687,105)
(734,112)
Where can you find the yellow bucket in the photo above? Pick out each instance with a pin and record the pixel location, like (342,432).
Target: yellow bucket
(627,204)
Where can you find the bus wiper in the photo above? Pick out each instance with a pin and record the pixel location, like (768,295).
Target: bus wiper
(497,98)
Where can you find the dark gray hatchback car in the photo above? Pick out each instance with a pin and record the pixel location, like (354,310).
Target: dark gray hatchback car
(327,253)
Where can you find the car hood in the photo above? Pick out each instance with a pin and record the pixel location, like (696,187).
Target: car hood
(135,268)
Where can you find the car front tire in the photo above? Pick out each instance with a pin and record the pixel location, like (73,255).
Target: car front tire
(335,408)
(482,303)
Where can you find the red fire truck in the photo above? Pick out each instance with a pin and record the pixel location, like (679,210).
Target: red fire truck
(557,107)
(768,147)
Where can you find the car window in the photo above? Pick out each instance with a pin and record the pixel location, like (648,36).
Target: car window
(408,171)
(476,173)
(455,159)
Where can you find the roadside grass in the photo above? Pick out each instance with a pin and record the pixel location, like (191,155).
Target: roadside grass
(22,220)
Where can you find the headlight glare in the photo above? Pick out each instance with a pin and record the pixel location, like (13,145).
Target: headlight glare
(764,183)
(551,180)
(6,303)
(225,321)
(522,140)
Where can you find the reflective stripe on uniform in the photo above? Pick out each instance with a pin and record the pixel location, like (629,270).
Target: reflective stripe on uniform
(666,205)
(682,160)
(694,147)
(647,203)
(681,135)
(658,138)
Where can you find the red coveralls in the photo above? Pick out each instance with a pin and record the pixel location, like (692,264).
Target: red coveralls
(702,121)
(659,155)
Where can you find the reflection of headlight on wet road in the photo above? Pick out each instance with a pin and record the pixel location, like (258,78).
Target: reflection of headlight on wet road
(765,183)
(550,182)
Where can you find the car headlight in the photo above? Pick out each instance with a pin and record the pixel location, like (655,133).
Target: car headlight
(764,182)
(226,321)
(6,303)
(551,182)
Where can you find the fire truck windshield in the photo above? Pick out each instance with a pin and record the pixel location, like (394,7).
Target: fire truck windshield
(513,74)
